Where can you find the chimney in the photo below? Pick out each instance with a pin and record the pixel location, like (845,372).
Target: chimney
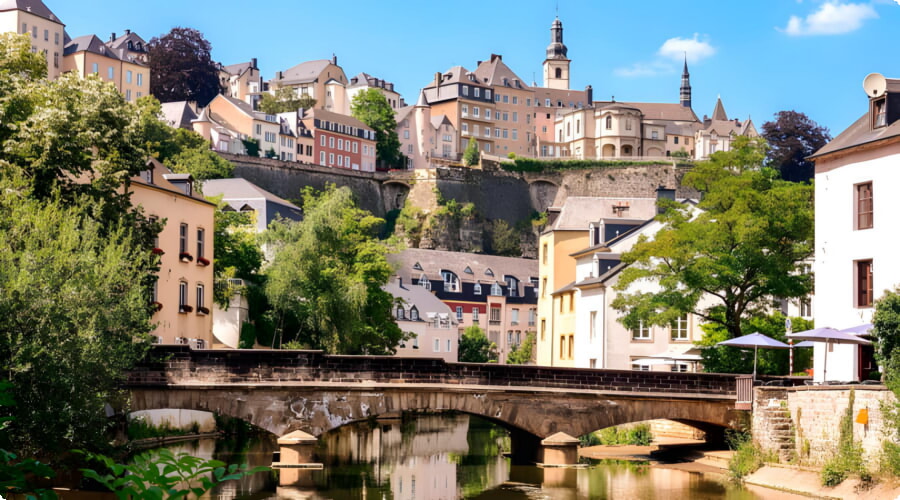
(479,63)
(662,193)
(590,95)
(399,281)
(127,32)
(333,59)
(437,79)
(253,63)
(112,37)
(279,75)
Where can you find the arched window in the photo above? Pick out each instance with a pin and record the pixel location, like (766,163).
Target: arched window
(451,281)
(413,314)
(559,72)
(401,314)
(496,290)
(609,123)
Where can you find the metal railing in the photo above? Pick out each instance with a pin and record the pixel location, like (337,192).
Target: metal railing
(744,393)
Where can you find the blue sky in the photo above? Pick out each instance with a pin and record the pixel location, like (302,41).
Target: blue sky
(761,56)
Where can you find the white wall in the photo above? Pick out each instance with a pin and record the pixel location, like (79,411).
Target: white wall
(838,245)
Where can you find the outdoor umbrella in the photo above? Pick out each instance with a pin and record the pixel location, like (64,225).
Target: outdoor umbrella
(829,336)
(755,341)
(863,329)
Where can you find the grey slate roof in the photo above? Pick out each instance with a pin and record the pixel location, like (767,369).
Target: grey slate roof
(579,211)
(424,300)
(238,69)
(858,134)
(304,72)
(719,111)
(179,114)
(432,261)
(89,43)
(122,42)
(665,111)
(494,71)
(438,120)
(603,278)
(35,7)
(239,192)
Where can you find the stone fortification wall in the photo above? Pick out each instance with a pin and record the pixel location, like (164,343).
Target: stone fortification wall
(497,194)
(806,420)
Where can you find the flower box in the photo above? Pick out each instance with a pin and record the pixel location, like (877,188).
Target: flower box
(185,257)
(184,309)
(202,261)
(158,251)
(156,306)
(203,311)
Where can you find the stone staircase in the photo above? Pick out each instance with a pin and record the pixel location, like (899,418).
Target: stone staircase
(781,432)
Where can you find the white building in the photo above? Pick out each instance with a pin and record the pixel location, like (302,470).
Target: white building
(855,238)
(430,321)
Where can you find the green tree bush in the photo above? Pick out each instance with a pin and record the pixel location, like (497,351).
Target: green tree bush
(504,239)
(523,353)
(327,272)
(886,332)
(725,359)
(284,100)
(372,108)
(471,156)
(745,247)
(474,347)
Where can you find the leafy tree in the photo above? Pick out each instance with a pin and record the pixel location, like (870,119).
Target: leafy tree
(471,155)
(725,359)
(743,248)
(284,100)
(202,164)
(505,239)
(271,154)
(792,137)
(886,331)
(74,315)
(522,354)
(237,252)
(372,108)
(327,272)
(474,347)
(181,67)
(18,61)
(252,145)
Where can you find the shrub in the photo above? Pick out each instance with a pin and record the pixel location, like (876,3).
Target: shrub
(747,459)
(848,458)
(533,165)
(589,439)
(248,336)
(640,435)
(833,473)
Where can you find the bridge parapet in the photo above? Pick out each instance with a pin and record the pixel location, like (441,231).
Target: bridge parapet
(168,365)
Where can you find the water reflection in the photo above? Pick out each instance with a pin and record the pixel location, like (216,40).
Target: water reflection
(447,457)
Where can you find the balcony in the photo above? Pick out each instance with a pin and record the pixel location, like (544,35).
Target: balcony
(494,322)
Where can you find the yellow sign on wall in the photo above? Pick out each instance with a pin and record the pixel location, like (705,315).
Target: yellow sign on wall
(863,417)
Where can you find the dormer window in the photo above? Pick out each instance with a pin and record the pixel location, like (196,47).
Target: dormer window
(513,285)
(401,314)
(413,314)
(496,290)
(879,115)
(424,282)
(477,289)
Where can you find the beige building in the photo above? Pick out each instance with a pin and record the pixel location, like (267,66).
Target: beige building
(87,55)
(718,132)
(323,80)
(427,140)
(242,82)
(434,329)
(47,31)
(273,133)
(129,45)
(183,293)
(580,223)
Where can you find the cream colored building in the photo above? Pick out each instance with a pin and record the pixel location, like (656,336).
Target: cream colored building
(323,80)
(365,81)
(87,55)
(272,132)
(242,82)
(46,30)
(426,140)
(580,223)
(433,327)
(183,293)
(717,133)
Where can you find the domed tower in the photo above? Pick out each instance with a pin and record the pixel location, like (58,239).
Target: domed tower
(556,66)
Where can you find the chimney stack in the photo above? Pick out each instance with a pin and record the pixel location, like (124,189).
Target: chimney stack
(127,32)
(590,95)
(112,37)
(279,75)
(333,59)
(253,63)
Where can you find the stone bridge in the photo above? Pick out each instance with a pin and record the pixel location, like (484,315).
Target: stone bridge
(285,391)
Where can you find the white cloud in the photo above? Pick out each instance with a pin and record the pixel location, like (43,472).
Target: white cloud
(696,49)
(671,50)
(832,18)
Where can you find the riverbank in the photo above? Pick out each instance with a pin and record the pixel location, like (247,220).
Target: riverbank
(777,481)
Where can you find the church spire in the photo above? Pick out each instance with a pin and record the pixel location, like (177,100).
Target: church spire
(557,49)
(685,85)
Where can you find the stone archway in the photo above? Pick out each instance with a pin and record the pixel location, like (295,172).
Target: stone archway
(608,151)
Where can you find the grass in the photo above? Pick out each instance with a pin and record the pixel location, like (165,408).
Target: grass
(638,435)
(533,165)
(139,428)
(747,457)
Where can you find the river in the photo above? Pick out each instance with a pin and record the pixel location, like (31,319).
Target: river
(434,457)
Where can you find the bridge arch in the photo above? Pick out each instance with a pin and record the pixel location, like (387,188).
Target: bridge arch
(394,193)
(543,193)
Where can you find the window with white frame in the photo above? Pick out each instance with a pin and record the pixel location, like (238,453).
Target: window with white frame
(465,90)
(413,314)
(183,238)
(437,345)
(322,140)
(475,313)
(401,313)
(459,313)
(182,295)
(477,289)
(201,299)
(642,332)
(679,328)
(201,243)
(496,290)
(449,345)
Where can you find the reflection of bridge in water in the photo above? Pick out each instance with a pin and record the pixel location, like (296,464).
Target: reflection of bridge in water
(285,391)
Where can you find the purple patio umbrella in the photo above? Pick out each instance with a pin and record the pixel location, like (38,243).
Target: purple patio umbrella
(755,341)
(829,336)
(863,329)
